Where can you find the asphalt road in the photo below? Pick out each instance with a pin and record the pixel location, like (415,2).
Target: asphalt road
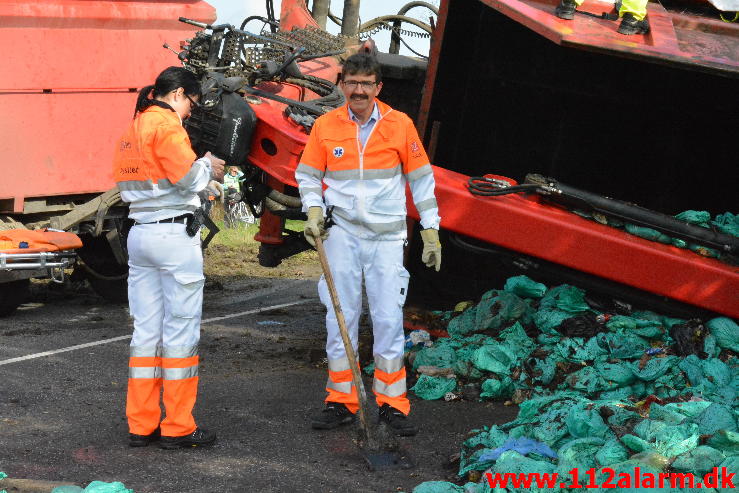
(262,376)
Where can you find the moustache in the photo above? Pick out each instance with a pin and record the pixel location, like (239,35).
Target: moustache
(359,97)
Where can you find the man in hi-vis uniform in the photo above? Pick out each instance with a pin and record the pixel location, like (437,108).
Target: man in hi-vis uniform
(365,152)
(160,176)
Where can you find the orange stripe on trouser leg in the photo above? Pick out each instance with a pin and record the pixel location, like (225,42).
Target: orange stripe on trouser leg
(180,362)
(142,405)
(144,361)
(351,399)
(399,402)
(179,400)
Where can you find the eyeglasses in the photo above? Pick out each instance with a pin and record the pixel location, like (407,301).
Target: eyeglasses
(366,84)
(193,103)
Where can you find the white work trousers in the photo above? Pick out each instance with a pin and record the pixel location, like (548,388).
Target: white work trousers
(165,285)
(380,263)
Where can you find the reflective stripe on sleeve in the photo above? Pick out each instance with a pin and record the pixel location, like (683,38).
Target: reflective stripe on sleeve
(309,170)
(420,172)
(139,185)
(306,190)
(427,204)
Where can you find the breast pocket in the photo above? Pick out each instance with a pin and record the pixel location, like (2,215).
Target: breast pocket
(388,206)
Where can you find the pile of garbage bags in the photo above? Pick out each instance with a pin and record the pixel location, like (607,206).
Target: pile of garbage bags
(595,389)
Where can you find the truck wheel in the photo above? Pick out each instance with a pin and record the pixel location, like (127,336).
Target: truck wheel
(106,276)
(113,291)
(13,294)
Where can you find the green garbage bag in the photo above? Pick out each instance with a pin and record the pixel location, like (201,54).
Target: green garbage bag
(495,358)
(725,441)
(499,309)
(587,380)
(67,489)
(579,350)
(511,462)
(438,487)
(579,453)
(654,368)
(612,452)
(698,461)
(547,320)
(647,233)
(619,373)
(622,345)
(716,417)
(568,298)
(731,464)
(666,414)
(432,388)
(494,388)
(463,323)
(472,448)
(698,218)
(440,354)
(525,287)
(584,421)
(727,223)
(726,332)
(102,487)
(644,328)
(516,338)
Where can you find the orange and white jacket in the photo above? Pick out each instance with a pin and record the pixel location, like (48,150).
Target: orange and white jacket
(155,167)
(366,186)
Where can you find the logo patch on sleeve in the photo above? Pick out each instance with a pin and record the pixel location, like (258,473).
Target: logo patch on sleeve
(338,151)
(414,146)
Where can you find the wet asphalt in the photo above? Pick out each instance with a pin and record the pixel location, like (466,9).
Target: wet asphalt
(62,416)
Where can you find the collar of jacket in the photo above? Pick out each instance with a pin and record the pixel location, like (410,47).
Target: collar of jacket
(167,112)
(386,112)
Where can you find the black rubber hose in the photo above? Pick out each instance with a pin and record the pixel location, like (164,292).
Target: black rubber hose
(486,187)
(570,196)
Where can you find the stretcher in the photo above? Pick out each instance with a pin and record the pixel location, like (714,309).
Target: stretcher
(39,250)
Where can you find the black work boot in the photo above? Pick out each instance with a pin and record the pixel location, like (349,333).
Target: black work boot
(135,440)
(333,415)
(629,25)
(198,438)
(397,421)
(566,9)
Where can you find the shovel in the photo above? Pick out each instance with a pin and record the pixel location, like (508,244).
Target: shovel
(378,447)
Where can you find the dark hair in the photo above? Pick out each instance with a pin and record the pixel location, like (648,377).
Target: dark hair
(362,63)
(169,80)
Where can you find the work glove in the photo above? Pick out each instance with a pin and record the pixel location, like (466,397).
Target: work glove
(431,255)
(314,225)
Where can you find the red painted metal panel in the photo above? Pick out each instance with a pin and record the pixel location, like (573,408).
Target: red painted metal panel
(532,228)
(688,41)
(64,88)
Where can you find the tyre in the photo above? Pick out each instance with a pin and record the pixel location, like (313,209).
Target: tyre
(12,295)
(106,276)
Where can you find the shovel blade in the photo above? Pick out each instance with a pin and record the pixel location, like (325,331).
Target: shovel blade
(384,461)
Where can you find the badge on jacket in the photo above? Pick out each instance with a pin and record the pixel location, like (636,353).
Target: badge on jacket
(338,151)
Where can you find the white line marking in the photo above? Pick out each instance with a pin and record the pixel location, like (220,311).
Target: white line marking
(122,338)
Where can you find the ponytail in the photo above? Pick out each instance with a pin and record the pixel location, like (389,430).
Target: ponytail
(169,80)
(143,101)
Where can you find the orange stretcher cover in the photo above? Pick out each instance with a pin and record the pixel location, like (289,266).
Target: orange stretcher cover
(38,241)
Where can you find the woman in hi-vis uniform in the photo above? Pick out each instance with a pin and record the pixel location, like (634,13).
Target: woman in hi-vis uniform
(159,175)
